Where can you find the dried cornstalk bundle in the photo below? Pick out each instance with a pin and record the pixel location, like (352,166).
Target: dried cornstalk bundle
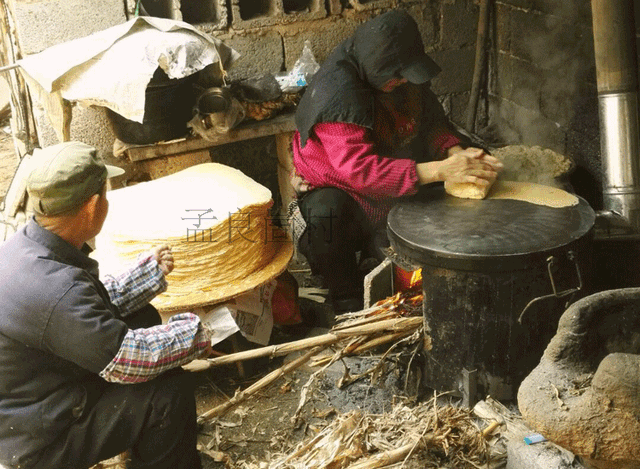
(426,436)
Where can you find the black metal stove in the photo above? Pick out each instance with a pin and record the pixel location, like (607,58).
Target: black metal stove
(496,277)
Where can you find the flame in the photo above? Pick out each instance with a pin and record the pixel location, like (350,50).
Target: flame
(416,278)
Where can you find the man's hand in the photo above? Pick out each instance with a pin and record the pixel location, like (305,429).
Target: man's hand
(164,258)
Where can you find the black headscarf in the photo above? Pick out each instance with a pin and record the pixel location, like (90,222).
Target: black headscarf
(344,87)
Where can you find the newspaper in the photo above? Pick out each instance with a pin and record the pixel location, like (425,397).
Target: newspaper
(249,313)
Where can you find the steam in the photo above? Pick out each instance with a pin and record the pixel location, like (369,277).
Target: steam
(555,51)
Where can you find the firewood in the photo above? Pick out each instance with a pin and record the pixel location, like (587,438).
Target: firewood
(260,384)
(397,325)
(366,346)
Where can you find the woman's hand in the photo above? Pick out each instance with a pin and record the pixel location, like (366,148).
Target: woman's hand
(470,165)
(164,258)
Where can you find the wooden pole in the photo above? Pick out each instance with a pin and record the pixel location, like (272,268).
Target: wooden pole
(23,123)
(391,325)
(478,71)
(6,68)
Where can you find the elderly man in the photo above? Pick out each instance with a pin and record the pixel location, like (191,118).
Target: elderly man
(86,369)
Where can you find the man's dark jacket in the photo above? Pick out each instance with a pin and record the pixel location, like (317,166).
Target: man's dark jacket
(52,306)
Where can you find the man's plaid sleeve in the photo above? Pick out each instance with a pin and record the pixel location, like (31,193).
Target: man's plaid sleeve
(137,286)
(146,353)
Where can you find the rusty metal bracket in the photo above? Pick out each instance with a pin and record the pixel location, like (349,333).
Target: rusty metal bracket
(550,263)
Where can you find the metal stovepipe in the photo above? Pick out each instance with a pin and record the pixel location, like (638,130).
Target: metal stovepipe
(617,69)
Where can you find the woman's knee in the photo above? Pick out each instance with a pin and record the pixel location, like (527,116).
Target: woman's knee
(331,208)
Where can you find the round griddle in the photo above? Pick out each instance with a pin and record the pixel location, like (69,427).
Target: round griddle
(437,229)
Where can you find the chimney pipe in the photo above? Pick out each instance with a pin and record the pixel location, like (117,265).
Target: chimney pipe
(616,69)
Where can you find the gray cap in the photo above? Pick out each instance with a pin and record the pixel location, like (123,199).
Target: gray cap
(66,175)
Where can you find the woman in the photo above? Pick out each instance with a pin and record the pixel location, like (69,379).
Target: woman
(370,131)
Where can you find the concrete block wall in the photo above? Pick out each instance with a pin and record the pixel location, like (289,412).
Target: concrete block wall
(260,13)
(208,15)
(269,35)
(44,23)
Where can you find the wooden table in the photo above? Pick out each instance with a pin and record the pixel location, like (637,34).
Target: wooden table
(278,126)
(187,151)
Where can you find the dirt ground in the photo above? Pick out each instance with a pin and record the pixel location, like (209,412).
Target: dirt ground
(269,424)
(252,432)
(8,159)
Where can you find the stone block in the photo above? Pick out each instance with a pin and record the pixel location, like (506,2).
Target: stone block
(259,54)
(577,11)
(207,15)
(518,125)
(523,4)
(526,84)
(529,34)
(360,5)
(606,408)
(551,7)
(325,36)
(335,7)
(457,71)
(169,9)
(44,23)
(260,13)
(303,10)
(426,15)
(458,108)
(89,125)
(459,24)
(501,83)
(322,38)
(503,26)
(583,146)
(562,94)
(255,13)
(541,33)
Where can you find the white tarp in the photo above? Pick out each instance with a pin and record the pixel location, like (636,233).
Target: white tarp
(112,68)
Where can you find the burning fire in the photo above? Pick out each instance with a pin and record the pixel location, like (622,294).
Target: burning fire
(416,278)
(405,280)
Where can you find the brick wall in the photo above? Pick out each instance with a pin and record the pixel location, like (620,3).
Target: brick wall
(542,87)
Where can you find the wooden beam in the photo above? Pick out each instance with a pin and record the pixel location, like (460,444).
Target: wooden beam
(246,131)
